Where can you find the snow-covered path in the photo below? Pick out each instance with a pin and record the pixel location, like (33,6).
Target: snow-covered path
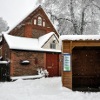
(41,89)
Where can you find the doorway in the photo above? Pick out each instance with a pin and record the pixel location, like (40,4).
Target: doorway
(86,68)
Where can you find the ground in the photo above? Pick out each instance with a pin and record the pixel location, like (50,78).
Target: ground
(42,89)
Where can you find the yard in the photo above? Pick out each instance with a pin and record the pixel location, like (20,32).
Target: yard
(42,89)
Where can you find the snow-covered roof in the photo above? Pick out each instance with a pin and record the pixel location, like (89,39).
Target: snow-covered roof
(43,39)
(23,43)
(80,37)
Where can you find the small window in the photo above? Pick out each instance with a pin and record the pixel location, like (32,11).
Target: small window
(39,21)
(34,21)
(43,24)
(53,45)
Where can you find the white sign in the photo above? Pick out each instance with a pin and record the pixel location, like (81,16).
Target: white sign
(66,62)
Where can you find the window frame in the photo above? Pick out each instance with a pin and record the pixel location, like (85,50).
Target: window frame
(43,23)
(35,21)
(39,21)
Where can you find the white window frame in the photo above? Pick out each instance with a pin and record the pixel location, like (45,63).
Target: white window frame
(43,23)
(34,21)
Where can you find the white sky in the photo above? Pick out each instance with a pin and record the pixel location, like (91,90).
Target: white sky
(13,11)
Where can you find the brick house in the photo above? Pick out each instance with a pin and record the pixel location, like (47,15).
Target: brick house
(32,44)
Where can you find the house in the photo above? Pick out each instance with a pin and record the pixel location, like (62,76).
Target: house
(81,62)
(32,44)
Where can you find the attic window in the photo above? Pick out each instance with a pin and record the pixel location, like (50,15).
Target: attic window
(53,44)
(39,21)
(34,21)
(43,24)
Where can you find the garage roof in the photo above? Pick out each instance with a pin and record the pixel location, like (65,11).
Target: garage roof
(80,37)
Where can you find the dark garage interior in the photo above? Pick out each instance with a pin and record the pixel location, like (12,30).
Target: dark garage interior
(86,68)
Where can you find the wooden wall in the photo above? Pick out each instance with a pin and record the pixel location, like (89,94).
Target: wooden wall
(67,76)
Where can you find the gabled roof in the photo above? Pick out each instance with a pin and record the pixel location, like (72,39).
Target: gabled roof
(31,44)
(31,14)
(43,39)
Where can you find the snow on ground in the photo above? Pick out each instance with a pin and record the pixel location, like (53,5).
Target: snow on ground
(42,89)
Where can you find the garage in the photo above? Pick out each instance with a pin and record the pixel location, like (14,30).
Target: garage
(86,68)
(84,51)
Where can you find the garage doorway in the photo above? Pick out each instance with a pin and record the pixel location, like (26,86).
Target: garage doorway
(86,68)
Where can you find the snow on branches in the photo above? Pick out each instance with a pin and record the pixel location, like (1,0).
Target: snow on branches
(3,25)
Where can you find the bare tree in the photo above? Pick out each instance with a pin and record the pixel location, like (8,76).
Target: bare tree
(75,16)
(3,25)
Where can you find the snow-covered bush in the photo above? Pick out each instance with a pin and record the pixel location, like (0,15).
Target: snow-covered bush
(3,25)
(42,71)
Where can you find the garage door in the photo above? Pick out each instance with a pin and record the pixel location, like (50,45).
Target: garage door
(86,67)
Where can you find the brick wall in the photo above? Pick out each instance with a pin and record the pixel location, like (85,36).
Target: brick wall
(27,28)
(17,69)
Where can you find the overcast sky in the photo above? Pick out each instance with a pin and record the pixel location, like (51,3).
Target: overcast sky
(13,11)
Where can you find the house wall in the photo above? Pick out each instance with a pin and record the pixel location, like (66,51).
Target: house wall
(67,76)
(36,61)
(27,28)
(47,44)
(5,51)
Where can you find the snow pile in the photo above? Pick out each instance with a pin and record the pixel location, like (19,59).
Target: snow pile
(42,89)
(43,72)
(27,77)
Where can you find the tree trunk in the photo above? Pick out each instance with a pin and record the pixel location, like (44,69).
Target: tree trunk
(73,17)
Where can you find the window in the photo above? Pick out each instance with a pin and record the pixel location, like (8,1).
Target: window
(43,24)
(53,45)
(34,21)
(39,21)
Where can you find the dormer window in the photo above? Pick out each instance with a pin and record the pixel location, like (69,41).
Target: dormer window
(39,21)
(53,44)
